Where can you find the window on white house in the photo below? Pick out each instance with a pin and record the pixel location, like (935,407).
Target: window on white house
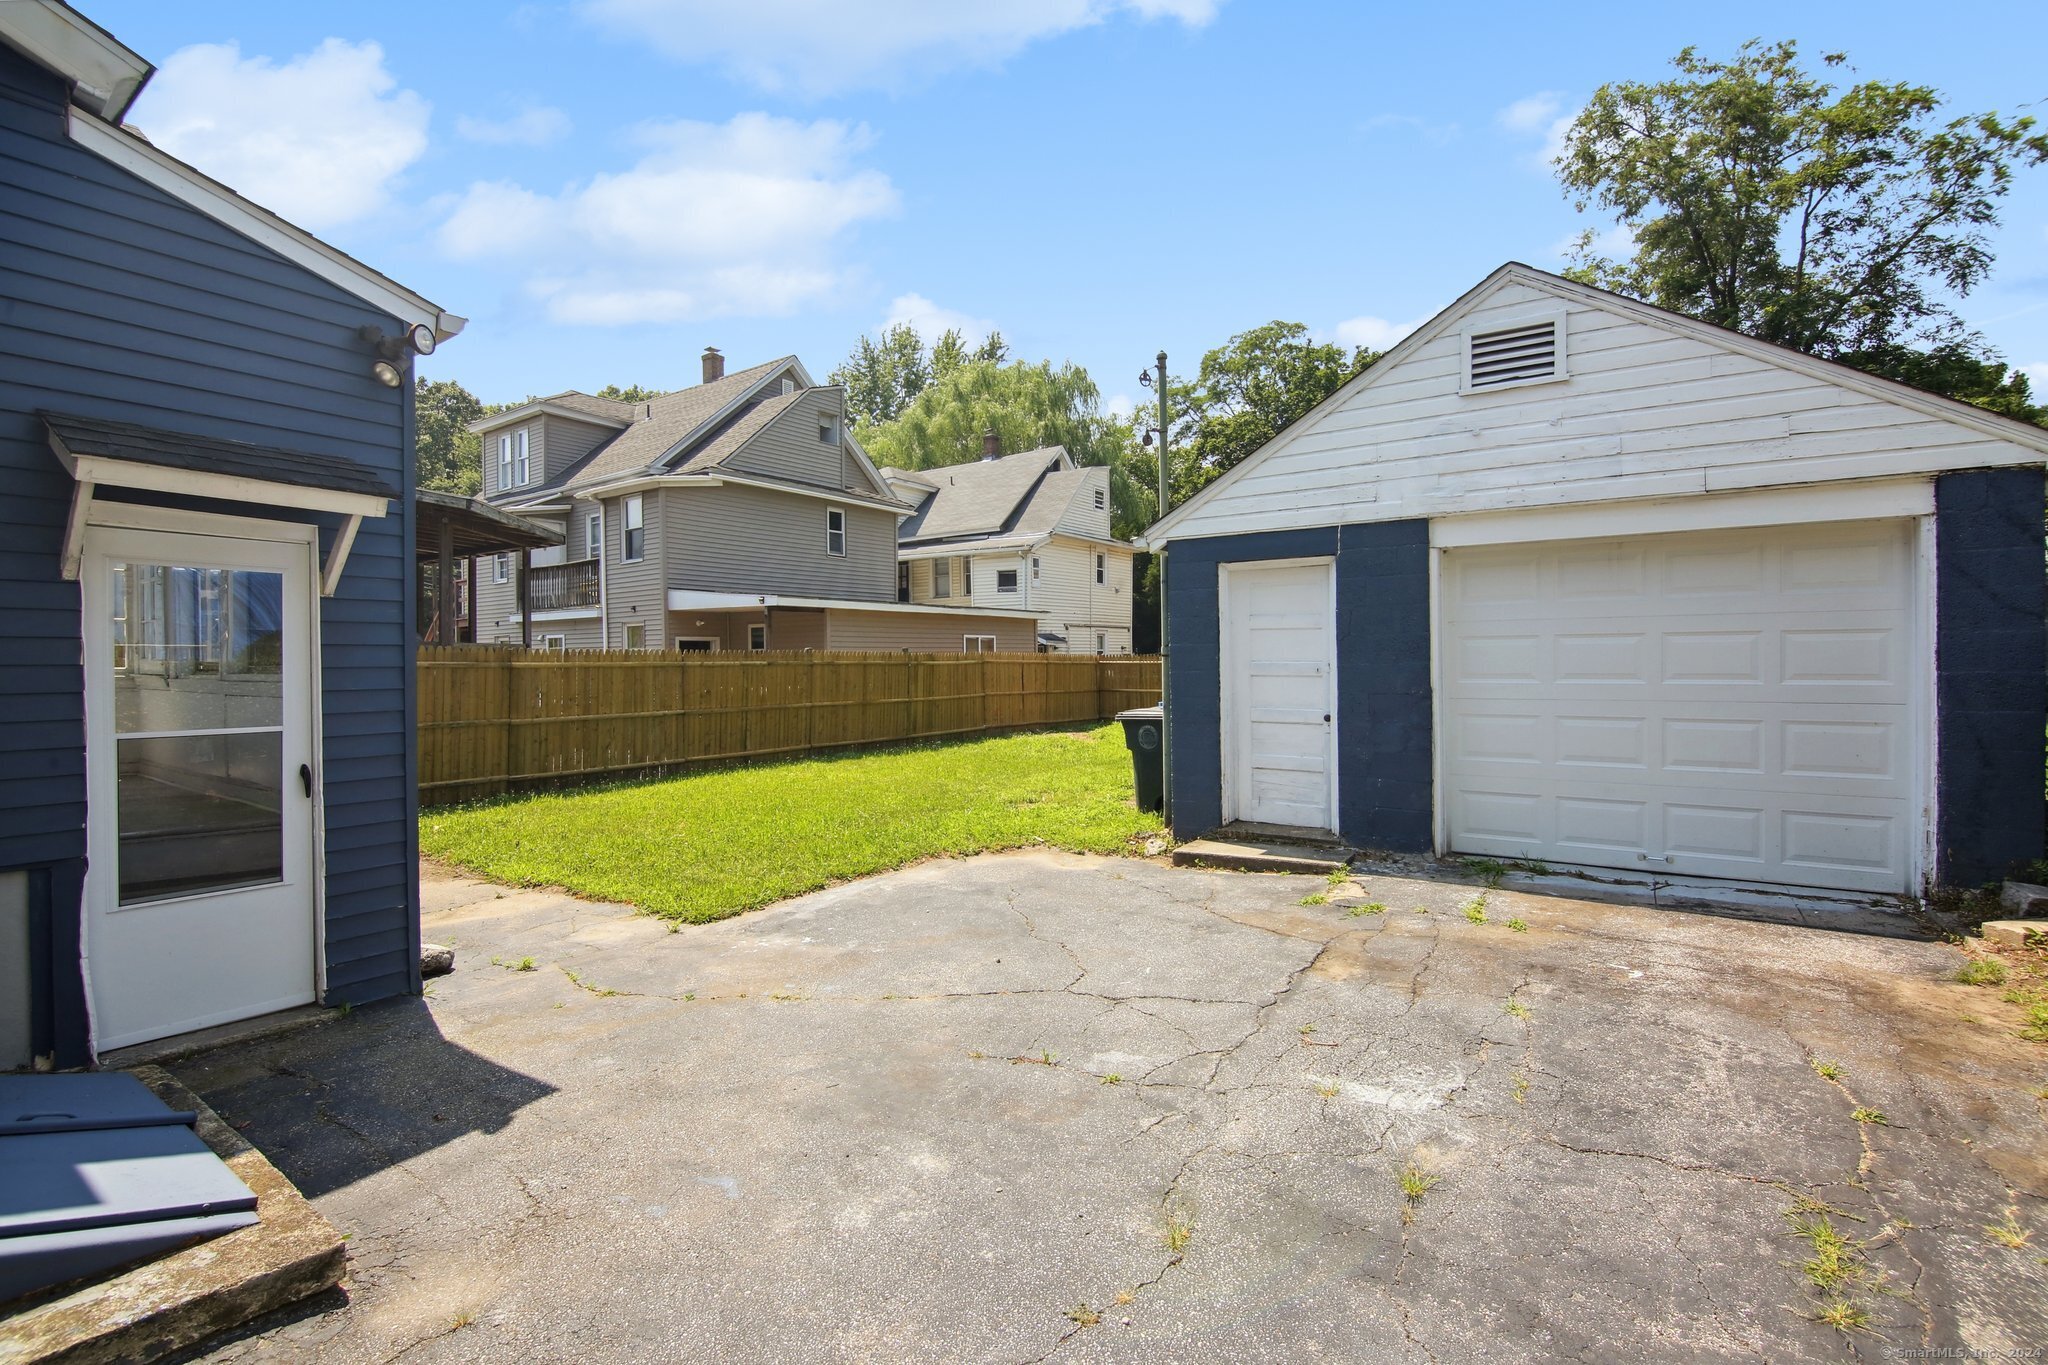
(967,578)
(633,541)
(1102,568)
(558,643)
(636,635)
(978,644)
(942,578)
(504,462)
(1102,644)
(757,636)
(828,430)
(593,535)
(1099,500)
(1006,580)
(501,568)
(835,531)
(1034,568)
(522,471)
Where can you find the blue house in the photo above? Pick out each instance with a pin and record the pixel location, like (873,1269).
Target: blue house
(206,617)
(1570,578)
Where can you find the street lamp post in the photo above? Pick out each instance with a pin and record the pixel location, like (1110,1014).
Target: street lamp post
(1159,558)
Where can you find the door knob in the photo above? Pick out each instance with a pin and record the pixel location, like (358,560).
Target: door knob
(306,777)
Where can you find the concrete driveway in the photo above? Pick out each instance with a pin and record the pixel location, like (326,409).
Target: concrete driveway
(969,1111)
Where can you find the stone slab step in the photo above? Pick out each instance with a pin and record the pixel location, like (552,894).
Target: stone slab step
(1260,855)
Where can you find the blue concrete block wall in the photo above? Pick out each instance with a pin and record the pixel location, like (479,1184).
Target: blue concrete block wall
(1991,659)
(1384,731)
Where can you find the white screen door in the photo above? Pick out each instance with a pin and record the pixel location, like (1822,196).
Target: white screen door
(199,751)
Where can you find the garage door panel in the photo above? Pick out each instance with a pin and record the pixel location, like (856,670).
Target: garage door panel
(1725,704)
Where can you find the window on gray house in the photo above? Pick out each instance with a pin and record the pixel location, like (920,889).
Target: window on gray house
(593,535)
(501,568)
(633,543)
(828,430)
(835,531)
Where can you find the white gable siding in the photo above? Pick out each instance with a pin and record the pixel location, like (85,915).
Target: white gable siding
(1644,412)
(1082,517)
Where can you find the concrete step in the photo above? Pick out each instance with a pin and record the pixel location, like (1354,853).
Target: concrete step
(1260,855)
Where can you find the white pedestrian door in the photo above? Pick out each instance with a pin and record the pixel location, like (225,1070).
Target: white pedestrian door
(199,752)
(1280,629)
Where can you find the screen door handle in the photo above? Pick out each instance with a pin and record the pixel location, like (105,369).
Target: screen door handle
(306,777)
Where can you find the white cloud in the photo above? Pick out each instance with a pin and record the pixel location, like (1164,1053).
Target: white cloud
(2037,377)
(738,218)
(1376,334)
(319,138)
(1120,405)
(536,125)
(1542,114)
(932,321)
(824,46)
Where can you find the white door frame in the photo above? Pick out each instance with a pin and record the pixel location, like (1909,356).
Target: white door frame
(140,517)
(1226,671)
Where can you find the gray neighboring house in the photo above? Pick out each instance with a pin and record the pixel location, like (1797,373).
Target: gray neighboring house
(738,514)
(1028,531)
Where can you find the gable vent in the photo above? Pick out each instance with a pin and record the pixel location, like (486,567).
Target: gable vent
(1513,355)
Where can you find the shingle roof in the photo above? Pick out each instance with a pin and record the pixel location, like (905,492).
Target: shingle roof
(615,409)
(722,445)
(657,427)
(977,499)
(1048,502)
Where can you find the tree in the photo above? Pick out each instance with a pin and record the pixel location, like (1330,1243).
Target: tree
(884,376)
(1247,392)
(449,454)
(1764,199)
(630,393)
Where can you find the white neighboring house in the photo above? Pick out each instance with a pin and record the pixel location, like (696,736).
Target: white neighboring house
(1018,532)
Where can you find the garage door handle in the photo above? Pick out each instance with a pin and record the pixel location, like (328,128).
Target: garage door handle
(306,777)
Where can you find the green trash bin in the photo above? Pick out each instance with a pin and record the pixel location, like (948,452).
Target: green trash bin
(1144,728)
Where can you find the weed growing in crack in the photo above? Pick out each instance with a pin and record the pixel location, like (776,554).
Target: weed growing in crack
(1837,1270)
(1490,871)
(524,964)
(461,1320)
(581,984)
(788,996)
(1519,925)
(1826,1070)
(1516,1008)
(1113,1079)
(1369,908)
(1180,1230)
(1844,1315)
(1328,1089)
(1868,1115)
(2008,1233)
(1475,909)
(1305,1029)
(1337,875)
(1126,1297)
(1982,971)
(1415,1183)
(689,995)
(1521,1088)
(1314,898)
(1536,869)
(1081,1315)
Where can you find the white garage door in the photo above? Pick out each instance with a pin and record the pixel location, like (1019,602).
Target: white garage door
(1279,654)
(1727,704)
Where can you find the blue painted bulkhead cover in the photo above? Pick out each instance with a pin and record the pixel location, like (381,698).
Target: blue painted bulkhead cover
(95,1173)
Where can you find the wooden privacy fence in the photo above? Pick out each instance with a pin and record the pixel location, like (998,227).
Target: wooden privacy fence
(495,719)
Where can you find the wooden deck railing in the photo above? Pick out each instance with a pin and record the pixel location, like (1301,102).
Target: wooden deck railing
(495,719)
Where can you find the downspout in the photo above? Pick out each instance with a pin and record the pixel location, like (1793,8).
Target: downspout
(604,620)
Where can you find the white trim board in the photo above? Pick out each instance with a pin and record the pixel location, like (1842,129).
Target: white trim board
(1768,507)
(105,74)
(182,182)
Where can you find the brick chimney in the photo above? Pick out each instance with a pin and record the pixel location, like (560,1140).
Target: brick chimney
(991,445)
(714,365)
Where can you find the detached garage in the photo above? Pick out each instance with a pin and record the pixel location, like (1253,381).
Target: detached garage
(1567,577)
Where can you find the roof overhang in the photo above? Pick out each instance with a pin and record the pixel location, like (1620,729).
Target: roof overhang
(953,548)
(691,599)
(118,455)
(105,74)
(641,482)
(137,156)
(473,527)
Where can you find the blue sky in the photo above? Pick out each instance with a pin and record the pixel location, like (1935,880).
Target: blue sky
(604,187)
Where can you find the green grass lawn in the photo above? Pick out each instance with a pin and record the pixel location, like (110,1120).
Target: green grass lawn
(714,843)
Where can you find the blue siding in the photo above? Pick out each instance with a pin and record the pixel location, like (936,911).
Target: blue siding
(1990,661)
(117,301)
(1384,760)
